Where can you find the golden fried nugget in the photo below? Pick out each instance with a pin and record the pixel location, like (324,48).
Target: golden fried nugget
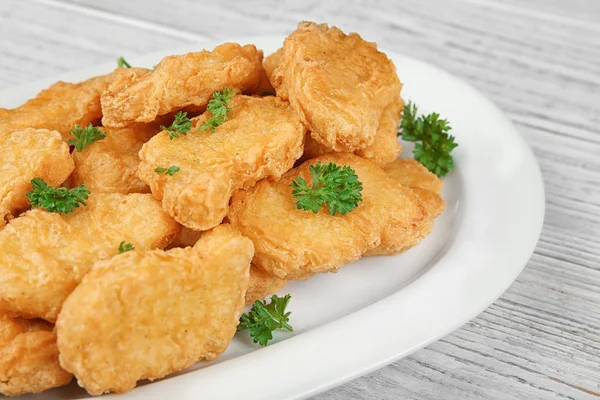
(262,284)
(425,184)
(146,314)
(383,150)
(269,65)
(43,255)
(28,357)
(261,138)
(110,165)
(296,244)
(181,81)
(62,106)
(339,84)
(28,154)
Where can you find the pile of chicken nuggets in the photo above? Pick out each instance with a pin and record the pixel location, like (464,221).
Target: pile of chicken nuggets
(220,233)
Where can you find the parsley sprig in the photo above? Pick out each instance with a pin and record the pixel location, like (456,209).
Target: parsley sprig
(218,107)
(335,186)
(181,125)
(172,170)
(59,200)
(434,143)
(85,136)
(265,318)
(122,63)
(124,246)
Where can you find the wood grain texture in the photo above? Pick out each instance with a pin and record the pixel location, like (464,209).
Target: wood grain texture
(539,60)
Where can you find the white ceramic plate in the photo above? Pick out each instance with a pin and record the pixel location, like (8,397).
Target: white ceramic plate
(380,309)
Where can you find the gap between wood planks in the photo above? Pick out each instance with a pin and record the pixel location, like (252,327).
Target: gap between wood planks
(135,22)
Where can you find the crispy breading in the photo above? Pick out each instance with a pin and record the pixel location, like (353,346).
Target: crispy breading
(338,84)
(261,138)
(143,315)
(28,357)
(28,154)
(182,81)
(62,106)
(269,65)
(262,284)
(383,150)
(296,244)
(425,184)
(43,255)
(110,165)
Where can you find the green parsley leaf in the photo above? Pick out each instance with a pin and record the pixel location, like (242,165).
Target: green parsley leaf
(122,63)
(336,187)
(124,246)
(182,124)
(85,136)
(265,318)
(172,170)
(436,143)
(59,200)
(218,107)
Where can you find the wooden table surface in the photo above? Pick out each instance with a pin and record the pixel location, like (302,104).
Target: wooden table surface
(538,60)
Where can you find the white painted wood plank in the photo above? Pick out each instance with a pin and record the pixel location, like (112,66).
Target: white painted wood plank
(539,60)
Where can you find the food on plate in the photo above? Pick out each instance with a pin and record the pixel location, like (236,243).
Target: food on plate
(44,255)
(425,184)
(338,84)
(293,243)
(262,137)
(262,284)
(27,154)
(434,143)
(146,314)
(263,319)
(28,357)
(110,165)
(61,106)
(181,81)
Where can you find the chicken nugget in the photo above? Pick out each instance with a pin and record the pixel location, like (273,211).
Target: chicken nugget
(261,138)
(182,81)
(44,255)
(62,106)
(425,184)
(146,314)
(262,284)
(110,165)
(338,84)
(296,244)
(28,357)
(28,154)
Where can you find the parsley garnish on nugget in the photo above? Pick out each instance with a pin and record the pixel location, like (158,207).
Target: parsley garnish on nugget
(436,143)
(172,170)
(218,107)
(182,124)
(265,318)
(122,63)
(334,186)
(124,246)
(85,136)
(59,200)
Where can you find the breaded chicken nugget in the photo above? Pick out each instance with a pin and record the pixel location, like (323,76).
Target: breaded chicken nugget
(28,154)
(28,357)
(339,84)
(262,284)
(425,184)
(296,244)
(62,106)
(383,150)
(261,138)
(146,314)
(110,165)
(181,81)
(43,255)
